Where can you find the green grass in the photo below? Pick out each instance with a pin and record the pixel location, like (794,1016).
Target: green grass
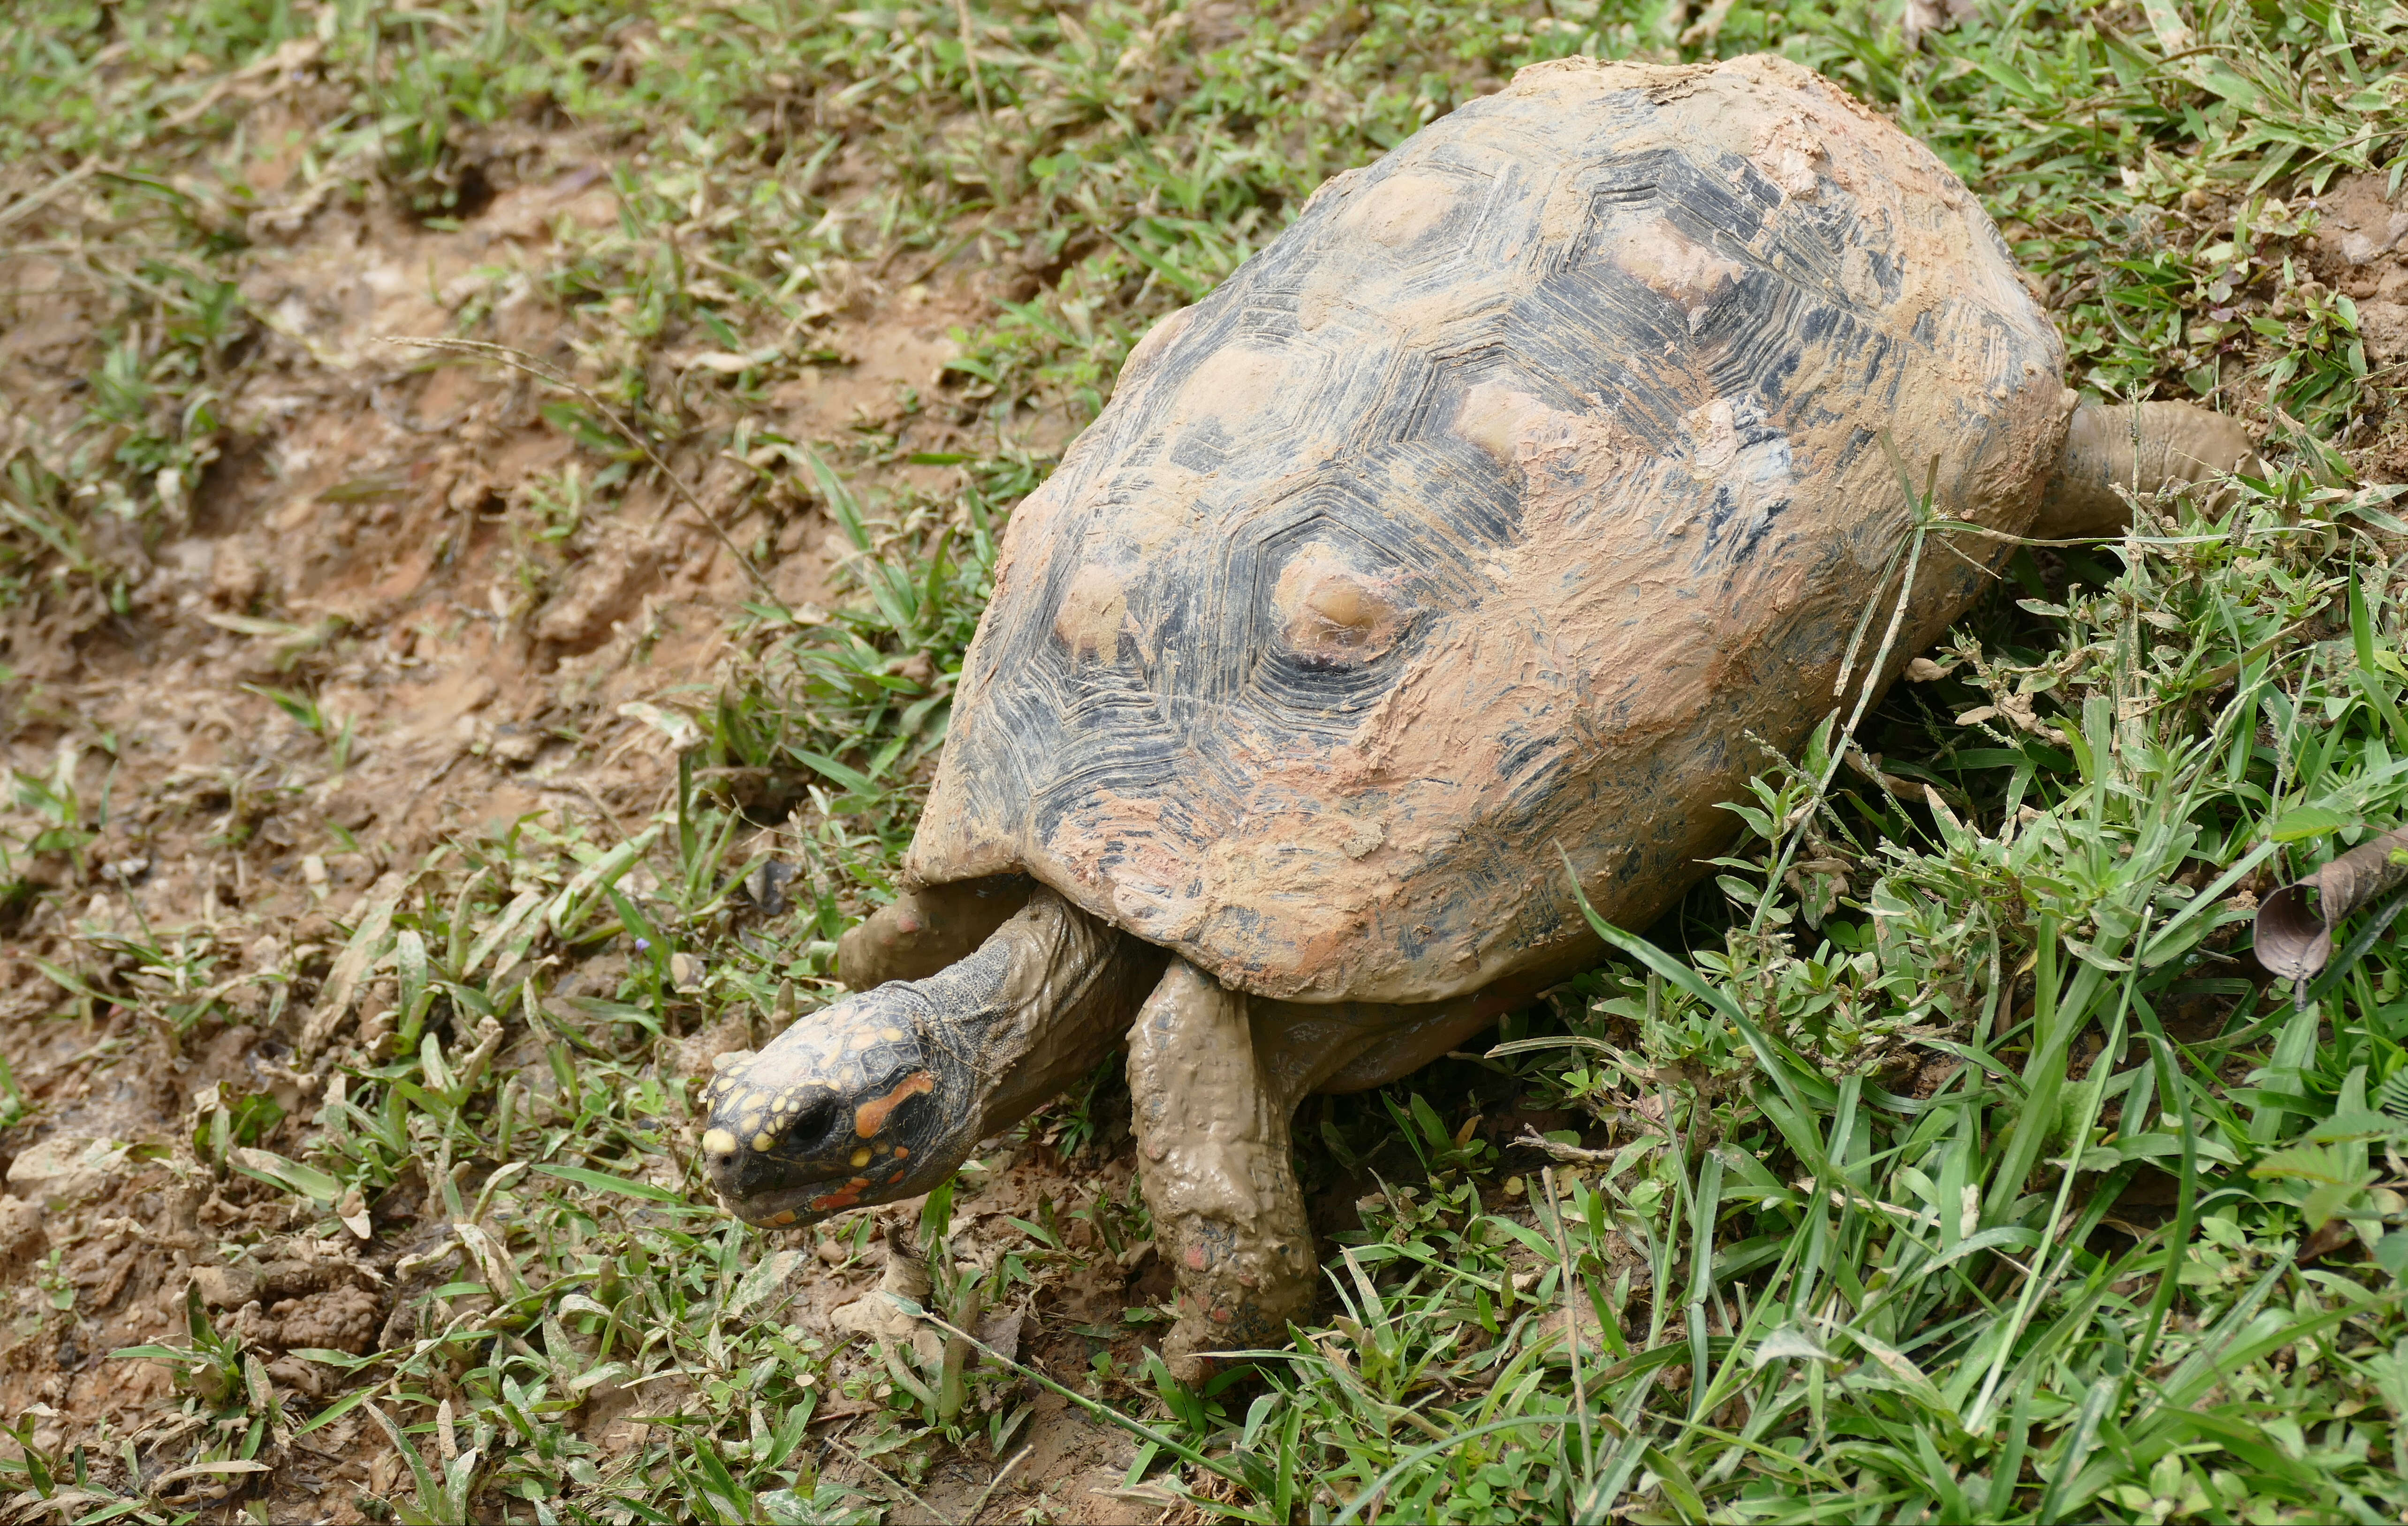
(2138,1254)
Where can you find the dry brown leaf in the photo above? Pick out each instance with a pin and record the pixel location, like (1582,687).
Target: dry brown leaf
(2295,934)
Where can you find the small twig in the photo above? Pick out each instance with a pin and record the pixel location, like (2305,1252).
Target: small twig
(136,1229)
(1103,1412)
(1919,504)
(2225,673)
(944,251)
(385,410)
(993,1484)
(585,787)
(34,200)
(1570,1154)
(1572,1280)
(978,86)
(518,359)
(891,1481)
(458,752)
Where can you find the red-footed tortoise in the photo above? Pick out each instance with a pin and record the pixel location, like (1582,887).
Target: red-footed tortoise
(1486,518)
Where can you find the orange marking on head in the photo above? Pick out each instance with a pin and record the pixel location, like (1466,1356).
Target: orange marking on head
(832,1201)
(870,1117)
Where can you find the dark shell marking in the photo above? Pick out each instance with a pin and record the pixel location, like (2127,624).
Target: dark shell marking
(1496,506)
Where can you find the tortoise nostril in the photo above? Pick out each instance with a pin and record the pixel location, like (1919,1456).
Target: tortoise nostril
(719,1147)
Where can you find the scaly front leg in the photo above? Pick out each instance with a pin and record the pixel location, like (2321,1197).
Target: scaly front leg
(1218,1172)
(927,930)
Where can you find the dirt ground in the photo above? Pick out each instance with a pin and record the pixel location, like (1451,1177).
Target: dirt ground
(355,543)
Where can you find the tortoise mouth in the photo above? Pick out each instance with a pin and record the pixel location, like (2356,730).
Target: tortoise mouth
(765,1188)
(790,1208)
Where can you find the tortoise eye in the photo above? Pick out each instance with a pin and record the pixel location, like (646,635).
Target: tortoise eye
(816,1122)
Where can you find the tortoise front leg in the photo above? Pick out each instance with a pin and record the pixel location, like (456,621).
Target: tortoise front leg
(927,930)
(1217,1171)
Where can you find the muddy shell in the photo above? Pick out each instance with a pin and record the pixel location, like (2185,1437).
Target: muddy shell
(1503,510)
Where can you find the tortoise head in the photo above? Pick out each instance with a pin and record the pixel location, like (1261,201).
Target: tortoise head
(850,1105)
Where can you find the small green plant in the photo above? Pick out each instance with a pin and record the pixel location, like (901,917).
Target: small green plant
(334,731)
(212,1369)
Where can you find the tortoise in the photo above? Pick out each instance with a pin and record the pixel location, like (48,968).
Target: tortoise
(1490,518)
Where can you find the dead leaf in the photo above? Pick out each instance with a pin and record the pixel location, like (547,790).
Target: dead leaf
(1000,1333)
(369,944)
(680,731)
(2295,934)
(2020,709)
(1922,16)
(727,363)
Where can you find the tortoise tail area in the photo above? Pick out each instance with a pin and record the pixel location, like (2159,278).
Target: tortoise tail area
(2139,449)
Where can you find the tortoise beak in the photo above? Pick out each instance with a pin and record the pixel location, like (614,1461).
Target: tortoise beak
(763,1189)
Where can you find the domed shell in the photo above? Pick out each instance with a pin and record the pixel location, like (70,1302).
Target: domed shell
(1503,510)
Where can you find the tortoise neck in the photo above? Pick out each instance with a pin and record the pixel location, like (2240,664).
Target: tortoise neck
(1045,999)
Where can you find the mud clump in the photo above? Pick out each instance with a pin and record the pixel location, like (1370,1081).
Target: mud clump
(2360,251)
(289,1304)
(2363,245)
(22,1239)
(344,1318)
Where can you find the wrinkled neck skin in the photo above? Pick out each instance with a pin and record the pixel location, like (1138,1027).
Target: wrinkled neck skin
(1043,1002)
(882,1095)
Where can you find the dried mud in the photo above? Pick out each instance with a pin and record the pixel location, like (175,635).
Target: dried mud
(2361,252)
(356,542)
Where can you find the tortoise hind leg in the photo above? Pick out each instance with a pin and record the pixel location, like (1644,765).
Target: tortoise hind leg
(1217,1171)
(2145,448)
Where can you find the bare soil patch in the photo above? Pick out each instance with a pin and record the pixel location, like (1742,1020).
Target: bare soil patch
(362,551)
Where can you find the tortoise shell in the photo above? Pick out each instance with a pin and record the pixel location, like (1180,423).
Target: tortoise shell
(1507,506)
